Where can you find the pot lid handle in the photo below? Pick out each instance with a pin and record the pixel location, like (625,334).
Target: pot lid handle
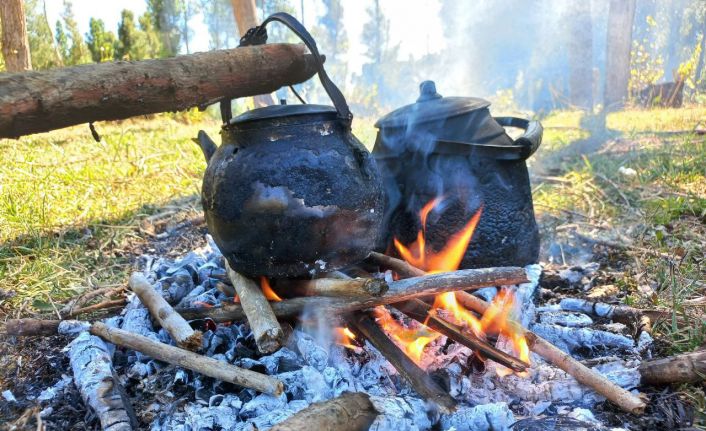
(258,36)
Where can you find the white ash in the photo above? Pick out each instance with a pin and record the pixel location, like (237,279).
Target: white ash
(92,368)
(486,417)
(571,339)
(313,369)
(72,327)
(52,391)
(9,396)
(565,319)
(579,274)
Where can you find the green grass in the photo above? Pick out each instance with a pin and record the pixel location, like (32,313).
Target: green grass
(68,204)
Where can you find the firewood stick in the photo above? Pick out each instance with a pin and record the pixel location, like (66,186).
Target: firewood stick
(84,298)
(420,381)
(186,359)
(103,305)
(263,322)
(400,290)
(177,327)
(336,288)
(404,269)
(352,411)
(683,368)
(423,313)
(617,395)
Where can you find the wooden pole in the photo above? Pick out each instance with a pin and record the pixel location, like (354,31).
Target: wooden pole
(263,323)
(33,102)
(400,290)
(178,328)
(192,361)
(420,381)
(352,411)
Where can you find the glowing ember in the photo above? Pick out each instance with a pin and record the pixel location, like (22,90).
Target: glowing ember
(344,337)
(203,304)
(411,340)
(493,322)
(267,290)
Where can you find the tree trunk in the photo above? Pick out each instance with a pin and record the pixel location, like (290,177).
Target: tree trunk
(246,18)
(619,43)
(34,102)
(15,45)
(581,56)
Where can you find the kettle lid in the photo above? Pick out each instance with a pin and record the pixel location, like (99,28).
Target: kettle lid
(280,111)
(430,106)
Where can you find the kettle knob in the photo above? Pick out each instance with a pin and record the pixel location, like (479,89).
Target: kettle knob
(427,91)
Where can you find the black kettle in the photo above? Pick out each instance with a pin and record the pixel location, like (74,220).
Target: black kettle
(291,192)
(452,149)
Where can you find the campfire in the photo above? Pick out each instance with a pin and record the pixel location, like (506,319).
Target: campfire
(388,341)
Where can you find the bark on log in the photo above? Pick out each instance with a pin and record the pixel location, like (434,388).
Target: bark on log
(178,328)
(263,322)
(684,368)
(420,381)
(400,290)
(192,361)
(352,411)
(31,327)
(33,102)
(15,44)
(336,288)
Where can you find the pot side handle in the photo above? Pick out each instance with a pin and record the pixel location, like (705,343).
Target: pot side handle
(532,137)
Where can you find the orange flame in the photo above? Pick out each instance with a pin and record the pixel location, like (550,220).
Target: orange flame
(344,337)
(493,322)
(203,304)
(267,290)
(411,340)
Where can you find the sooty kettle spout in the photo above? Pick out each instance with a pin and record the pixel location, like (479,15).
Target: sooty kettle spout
(208,147)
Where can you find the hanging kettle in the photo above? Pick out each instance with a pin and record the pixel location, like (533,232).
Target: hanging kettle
(290,191)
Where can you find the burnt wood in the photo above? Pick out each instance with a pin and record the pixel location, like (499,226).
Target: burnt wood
(33,102)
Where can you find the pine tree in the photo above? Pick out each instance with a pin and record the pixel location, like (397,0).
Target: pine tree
(218,17)
(78,51)
(167,19)
(100,42)
(153,45)
(62,40)
(40,37)
(332,40)
(132,42)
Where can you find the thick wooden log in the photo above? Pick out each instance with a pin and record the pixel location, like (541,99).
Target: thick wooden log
(33,102)
(684,368)
(177,327)
(263,322)
(400,290)
(192,361)
(420,381)
(352,411)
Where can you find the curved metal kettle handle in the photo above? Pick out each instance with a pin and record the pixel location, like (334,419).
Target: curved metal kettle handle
(532,137)
(258,35)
